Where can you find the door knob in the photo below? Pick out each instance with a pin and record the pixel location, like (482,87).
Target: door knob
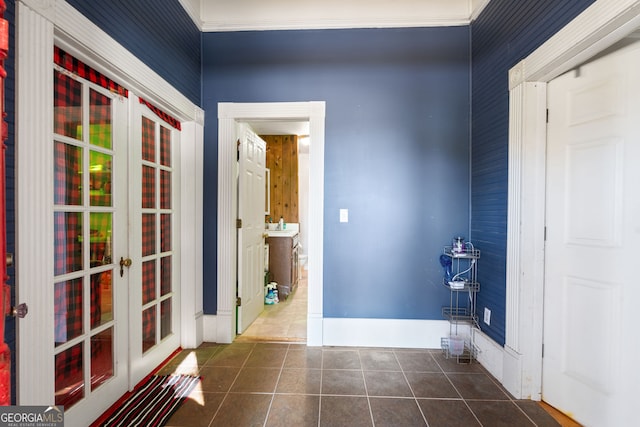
(124,263)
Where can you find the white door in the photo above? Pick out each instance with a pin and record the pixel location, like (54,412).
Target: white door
(593,229)
(154,297)
(89,350)
(251,202)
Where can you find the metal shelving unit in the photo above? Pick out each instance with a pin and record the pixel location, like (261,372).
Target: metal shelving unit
(461,311)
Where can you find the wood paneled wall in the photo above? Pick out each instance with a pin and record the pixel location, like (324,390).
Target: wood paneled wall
(282,160)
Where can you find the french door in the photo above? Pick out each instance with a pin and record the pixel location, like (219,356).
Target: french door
(90,297)
(108,304)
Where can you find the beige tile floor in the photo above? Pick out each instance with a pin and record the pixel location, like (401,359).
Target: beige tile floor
(282,322)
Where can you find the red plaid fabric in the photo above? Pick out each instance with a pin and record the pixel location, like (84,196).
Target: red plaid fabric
(165,232)
(66,172)
(165,146)
(165,275)
(148,234)
(148,281)
(69,376)
(68,62)
(165,318)
(148,187)
(67,102)
(148,328)
(99,119)
(165,189)
(68,310)
(148,140)
(101,357)
(164,116)
(68,248)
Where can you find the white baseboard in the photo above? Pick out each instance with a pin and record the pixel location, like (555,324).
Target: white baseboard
(210,328)
(396,333)
(490,354)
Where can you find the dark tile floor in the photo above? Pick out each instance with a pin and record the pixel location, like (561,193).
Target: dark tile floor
(269,384)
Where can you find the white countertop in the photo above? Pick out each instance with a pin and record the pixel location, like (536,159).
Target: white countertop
(290,230)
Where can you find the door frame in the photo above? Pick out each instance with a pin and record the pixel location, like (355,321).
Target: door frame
(228,115)
(605,22)
(39,25)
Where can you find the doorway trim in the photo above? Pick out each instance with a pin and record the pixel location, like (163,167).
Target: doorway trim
(601,25)
(228,115)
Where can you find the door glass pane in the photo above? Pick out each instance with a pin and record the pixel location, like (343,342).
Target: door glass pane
(101,298)
(165,275)
(99,119)
(148,234)
(68,251)
(67,101)
(148,187)
(165,146)
(68,310)
(165,232)
(148,328)
(67,174)
(101,357)
(165,318)
(148,140)
(165,189)
(148,281)
(101,239)
(69,376)
(100,178)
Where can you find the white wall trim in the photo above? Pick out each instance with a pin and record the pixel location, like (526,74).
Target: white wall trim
(396,333)
(228,115)
(210,328)
(490,354)
(598,27)
(34,101)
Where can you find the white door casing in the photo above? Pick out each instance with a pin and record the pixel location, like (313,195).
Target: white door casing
(593,206)
(601,25)
(228,115)
(251,201)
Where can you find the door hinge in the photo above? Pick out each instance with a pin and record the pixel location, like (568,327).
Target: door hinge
(543,351)
(547,115)
(545,233)
(238,301)
(239,223)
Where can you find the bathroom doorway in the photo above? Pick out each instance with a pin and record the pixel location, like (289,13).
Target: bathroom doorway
(285,319)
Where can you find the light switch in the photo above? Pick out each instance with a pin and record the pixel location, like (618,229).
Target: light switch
(344,215)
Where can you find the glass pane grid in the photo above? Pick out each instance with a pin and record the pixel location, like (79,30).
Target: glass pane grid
(83,327)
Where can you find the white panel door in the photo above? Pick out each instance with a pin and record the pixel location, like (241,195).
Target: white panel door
(593,229)
(251,202)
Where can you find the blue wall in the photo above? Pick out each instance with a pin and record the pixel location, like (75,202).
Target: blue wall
(396,152)
(506,32)
(159,32)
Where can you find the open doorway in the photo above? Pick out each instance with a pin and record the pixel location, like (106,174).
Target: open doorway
(229,114)
(284,317)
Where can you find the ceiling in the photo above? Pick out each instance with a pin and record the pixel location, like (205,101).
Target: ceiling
(247,15)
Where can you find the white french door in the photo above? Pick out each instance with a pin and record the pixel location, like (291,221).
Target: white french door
(154,300)
(90,299)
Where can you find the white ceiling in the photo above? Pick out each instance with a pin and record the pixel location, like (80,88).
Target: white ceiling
(245,15)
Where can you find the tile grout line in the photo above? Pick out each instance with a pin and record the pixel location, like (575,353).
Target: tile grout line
(415,399)
(366,390)
(226,395)
(275,386)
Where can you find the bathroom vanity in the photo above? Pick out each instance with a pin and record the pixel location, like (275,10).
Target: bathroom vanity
(283,259)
